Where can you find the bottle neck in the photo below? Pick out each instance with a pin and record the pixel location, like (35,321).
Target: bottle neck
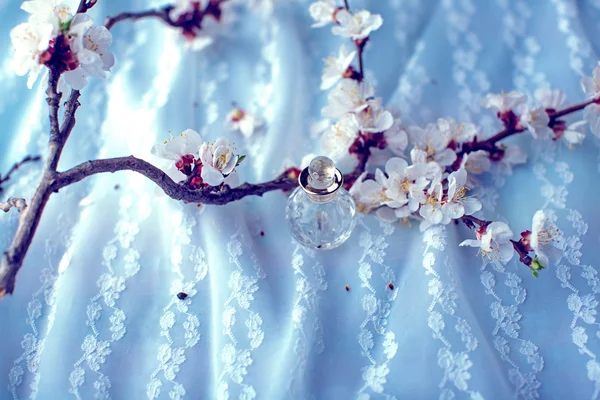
(319,198)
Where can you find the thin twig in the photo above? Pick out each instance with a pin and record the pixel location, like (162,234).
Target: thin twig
(15,167)
(570,110)
(491,143)
(360,46)
(85,5)
(161,14)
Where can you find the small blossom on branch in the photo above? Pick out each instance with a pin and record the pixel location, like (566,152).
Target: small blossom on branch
(591,114)
(543,239)
(336,141)
(323,12)
(200,21)
(476,162)
(204,163)
(218,161)
(571,135)
(90,45)
(348,96)
(30,41)
(591,84)
(550,99)
(536,120)
(504,102)
(458,203)
(187,143)
(243,121)
(506,157)
(67,43)
(357,26)
(338,67)
(434,143)
(396,137)
(493,241)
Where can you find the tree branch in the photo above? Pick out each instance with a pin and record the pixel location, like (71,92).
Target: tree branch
(12,259)
(178,191)
(161,14)
(491,143)
(15,167)
(555,115)
(85,5)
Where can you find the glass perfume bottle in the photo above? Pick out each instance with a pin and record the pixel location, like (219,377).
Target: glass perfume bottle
(321,214)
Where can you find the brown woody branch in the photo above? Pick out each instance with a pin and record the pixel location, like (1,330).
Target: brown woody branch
(511,129)
(219,195)
(161,14)
(85,5)
(12,259)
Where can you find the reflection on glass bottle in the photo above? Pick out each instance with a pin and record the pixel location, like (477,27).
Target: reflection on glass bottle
(321,213)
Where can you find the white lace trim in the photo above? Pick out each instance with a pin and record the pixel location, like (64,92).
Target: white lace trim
(176,314)
(456,365)
(376,304)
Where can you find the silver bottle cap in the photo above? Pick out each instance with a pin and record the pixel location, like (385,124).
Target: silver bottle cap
(321,179)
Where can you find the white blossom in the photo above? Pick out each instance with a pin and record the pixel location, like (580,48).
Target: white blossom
(348,96)
(358,25)
(374,118)
(591,114)
(322,12)
(553,99)
(200,37)
(336,141)
(30,40)
(544,237)
(245,122)
(493,242)
(218,161)
(91,46)
(53,12)
(574,134)
(535,120)
(503,102)
(458,132)
(188,142)
(513,155)
(434,143)
(356,192)
(476,162)
(591,84)
(402,189)
(431,211)
(458,204)
(396,137)
(336,66)
(431,170)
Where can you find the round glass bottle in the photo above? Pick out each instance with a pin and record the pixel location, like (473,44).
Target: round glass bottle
(320,213)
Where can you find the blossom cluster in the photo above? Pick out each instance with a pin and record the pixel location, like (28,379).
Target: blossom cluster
(203,163)
(435,182)
(67,43)
(201,20)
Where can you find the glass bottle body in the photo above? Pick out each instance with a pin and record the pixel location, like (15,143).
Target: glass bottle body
(321,225)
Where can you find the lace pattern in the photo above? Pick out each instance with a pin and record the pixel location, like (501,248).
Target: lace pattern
(376,305)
